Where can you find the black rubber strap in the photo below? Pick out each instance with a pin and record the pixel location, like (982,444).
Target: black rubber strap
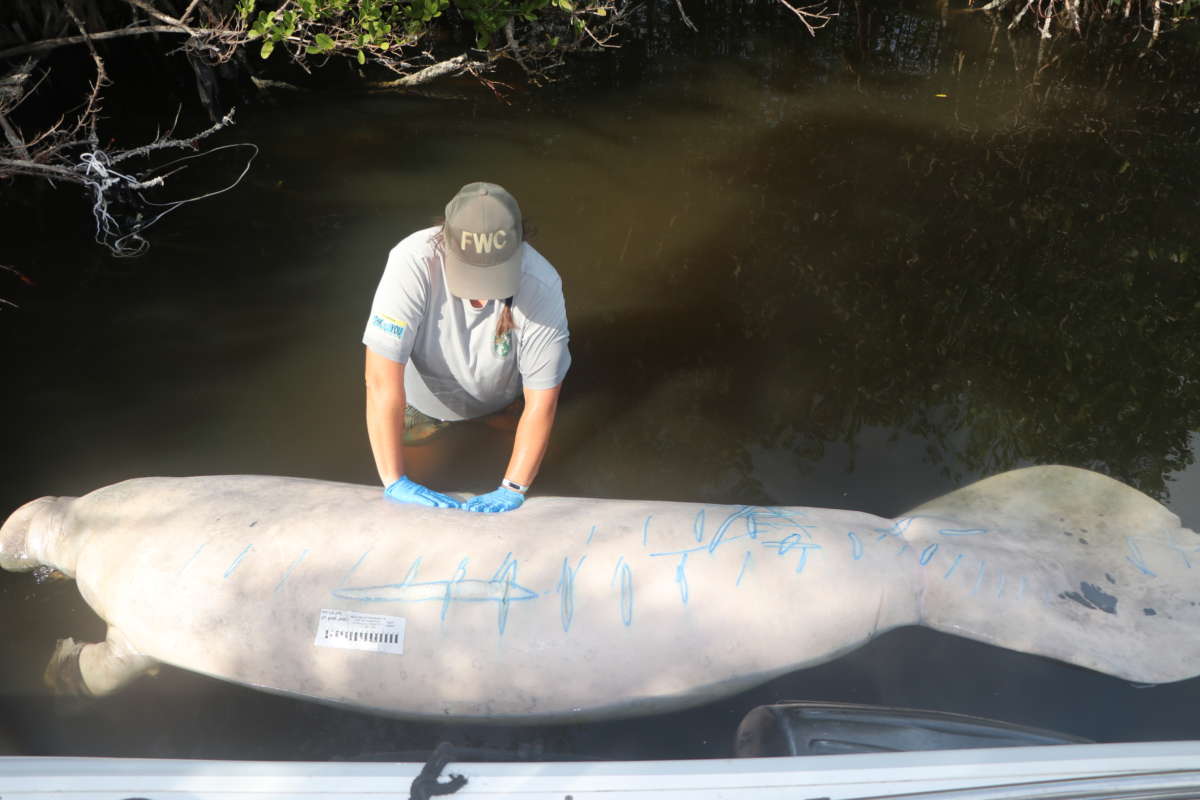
(427,785)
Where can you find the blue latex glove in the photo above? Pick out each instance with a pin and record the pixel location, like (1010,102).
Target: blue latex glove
(408,491)
(499,500)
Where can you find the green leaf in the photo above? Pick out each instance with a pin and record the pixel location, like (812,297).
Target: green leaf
(268,47)
(362,57)
(324,42)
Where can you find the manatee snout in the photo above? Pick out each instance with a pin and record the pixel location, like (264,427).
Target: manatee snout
(18,548)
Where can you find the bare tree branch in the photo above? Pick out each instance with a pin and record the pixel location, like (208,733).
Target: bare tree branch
(451,66)
(813,16)
(154,12)
(10,166)
(140,30)
(683,15)
(175,144)
(187,12)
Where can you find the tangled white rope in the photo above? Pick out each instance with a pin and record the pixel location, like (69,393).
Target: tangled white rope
(124,238)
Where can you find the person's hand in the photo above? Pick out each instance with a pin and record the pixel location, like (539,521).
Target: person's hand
(499,500)
(408,491)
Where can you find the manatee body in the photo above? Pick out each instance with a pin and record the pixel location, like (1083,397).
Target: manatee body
(574,609)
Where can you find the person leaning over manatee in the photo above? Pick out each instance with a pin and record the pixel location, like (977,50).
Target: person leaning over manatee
(467,316)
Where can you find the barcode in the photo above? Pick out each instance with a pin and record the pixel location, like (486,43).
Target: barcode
(360,636)
(349,630)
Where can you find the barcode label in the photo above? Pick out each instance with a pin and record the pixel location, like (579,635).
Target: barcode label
(375,633)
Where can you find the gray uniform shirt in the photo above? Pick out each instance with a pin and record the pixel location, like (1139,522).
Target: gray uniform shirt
(456,368)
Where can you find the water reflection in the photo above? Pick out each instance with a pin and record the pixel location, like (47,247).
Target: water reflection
(856,271)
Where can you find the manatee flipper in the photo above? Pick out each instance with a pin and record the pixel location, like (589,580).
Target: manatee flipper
(62,674)
(91,670)
(1065,563)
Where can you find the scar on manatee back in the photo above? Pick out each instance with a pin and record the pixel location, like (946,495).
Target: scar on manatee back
(1093,597)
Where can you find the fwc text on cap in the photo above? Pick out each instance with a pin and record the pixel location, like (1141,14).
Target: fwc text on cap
(483,242)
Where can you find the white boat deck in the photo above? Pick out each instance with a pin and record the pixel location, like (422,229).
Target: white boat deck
(1169,769)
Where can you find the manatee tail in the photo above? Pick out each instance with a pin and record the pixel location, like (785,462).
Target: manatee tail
(1064,563)
(29,532)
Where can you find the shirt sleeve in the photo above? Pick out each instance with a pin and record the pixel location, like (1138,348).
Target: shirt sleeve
(399,305)
(543,357)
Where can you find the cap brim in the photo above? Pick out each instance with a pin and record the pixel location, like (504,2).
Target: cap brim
(494,282)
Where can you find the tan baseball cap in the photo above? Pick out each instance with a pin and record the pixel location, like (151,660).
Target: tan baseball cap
(483,243)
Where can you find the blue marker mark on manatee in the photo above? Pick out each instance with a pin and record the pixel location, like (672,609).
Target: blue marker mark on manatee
(794,541)
(696,549)
(897,529)
(504,565)
(616,571)
(856,547)
(719,537)
(460,574)
(787,544)
(590,535)
(238,560)
(803,562)
(745,563)
(928,553)
(963,531)
(411,575)
(698,526)
(754,517)
(1172,545)
(681,578)
(509,577)
(188,563)
(361,559)
(1136,558)
(979,577)
(502,588)
(1000,590)
(953,566)
(646,530)
(626,595)
(566,591)
(288,572)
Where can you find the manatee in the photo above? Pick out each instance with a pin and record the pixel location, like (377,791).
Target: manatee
(574,609)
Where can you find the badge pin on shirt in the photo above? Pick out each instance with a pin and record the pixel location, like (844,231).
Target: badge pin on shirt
(502,345)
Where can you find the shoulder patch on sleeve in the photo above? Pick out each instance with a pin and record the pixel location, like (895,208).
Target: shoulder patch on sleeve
(389,325)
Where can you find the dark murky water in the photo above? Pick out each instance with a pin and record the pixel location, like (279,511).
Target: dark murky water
(857,271)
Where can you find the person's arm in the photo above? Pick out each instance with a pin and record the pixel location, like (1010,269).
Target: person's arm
(385,415)
(529,447)
(533,434)
(385,429)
